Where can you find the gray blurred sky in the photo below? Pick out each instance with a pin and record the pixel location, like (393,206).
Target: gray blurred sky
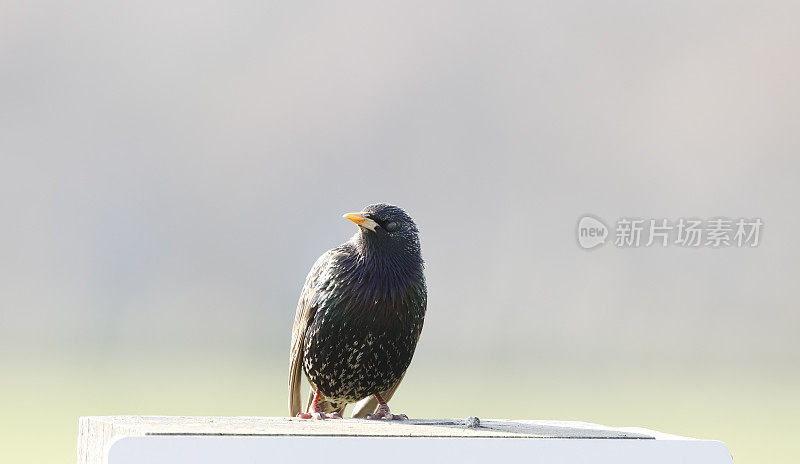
(170,171)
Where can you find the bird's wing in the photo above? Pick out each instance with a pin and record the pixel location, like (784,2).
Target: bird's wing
(306,309)
(369,405)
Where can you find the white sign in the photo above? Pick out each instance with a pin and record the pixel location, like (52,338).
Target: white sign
(401,450)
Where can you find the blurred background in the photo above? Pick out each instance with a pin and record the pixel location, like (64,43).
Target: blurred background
(170,171)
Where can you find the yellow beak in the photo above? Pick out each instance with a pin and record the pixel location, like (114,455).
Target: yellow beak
(362,221)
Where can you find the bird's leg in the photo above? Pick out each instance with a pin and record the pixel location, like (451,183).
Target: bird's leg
(384,412)
(317,412)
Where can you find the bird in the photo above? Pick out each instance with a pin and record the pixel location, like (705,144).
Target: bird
(359,318)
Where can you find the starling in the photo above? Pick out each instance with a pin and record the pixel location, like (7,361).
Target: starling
(359,317)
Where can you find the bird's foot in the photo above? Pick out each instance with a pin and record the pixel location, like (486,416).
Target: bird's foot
(383,412)
(319,415)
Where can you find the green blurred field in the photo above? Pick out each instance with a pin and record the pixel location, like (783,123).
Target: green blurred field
(755,414)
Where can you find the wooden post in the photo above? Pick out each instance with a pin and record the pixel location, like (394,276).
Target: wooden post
(205,440)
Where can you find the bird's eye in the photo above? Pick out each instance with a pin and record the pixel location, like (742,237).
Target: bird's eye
(391,227)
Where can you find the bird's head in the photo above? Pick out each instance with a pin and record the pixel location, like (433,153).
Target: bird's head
(383,226)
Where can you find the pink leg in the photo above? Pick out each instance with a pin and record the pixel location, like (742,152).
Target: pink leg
(318,414)
(384,412)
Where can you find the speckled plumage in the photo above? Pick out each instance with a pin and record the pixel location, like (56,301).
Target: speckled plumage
(360,313)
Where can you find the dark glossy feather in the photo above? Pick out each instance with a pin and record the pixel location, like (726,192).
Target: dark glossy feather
(360,315)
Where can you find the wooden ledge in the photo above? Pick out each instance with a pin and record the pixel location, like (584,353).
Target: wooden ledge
(198,425)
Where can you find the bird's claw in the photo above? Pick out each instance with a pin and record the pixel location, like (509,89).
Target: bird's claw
(319,415)
(386,415)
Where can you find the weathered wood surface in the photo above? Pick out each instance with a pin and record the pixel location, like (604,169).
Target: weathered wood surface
(96,433)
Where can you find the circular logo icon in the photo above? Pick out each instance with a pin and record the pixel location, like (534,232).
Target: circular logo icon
(592,233)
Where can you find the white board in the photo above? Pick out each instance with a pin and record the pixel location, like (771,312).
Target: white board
(205,449)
